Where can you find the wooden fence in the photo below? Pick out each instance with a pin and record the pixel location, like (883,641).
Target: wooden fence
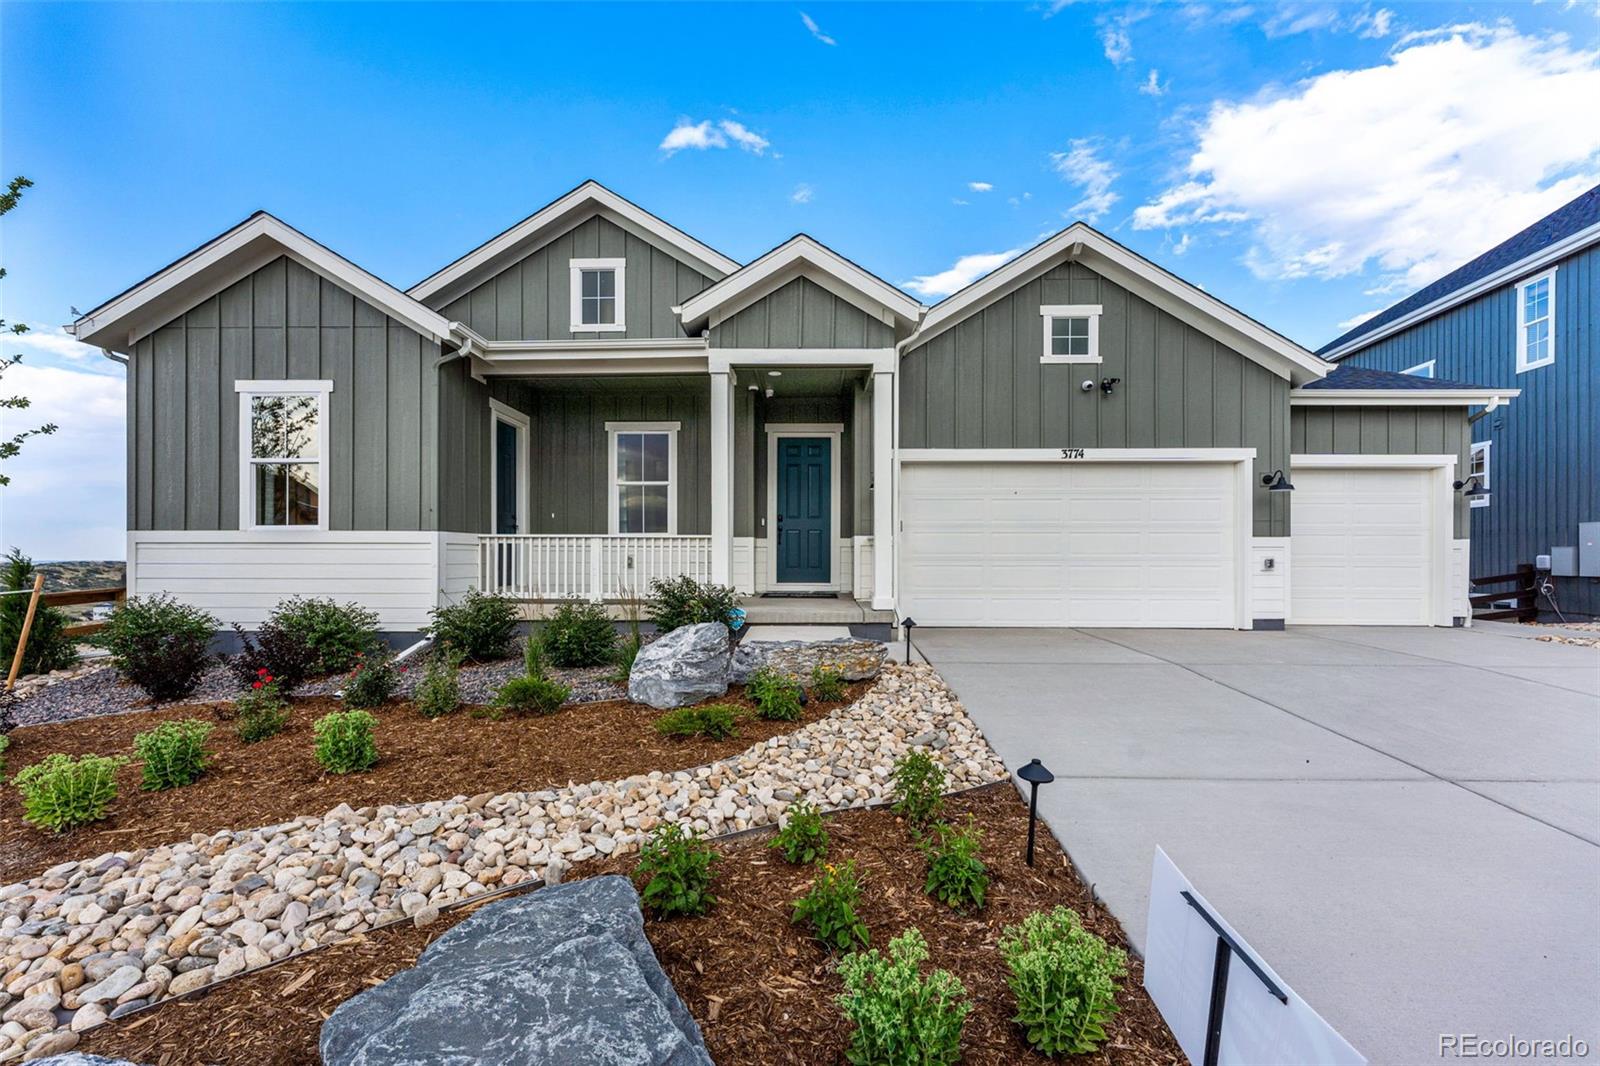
(1522,595)
(70,598)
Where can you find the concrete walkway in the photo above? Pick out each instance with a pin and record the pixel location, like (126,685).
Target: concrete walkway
(1404,822)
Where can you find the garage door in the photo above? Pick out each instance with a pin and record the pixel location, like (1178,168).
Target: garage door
(1362,547)
(1068,544)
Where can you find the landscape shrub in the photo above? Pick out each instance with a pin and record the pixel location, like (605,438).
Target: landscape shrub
(5,742)
(275,649)
(714,722)
(60,792)
(955,873)
(902,1018)
(535,660)
(579,633)
(439,691)
(777,697)
(49,648)
(918,787)
(336,633)
(627,652)
(830,908)
(344,741)
(802,838)
(675,871)
(683,601)
(482,627)
(173,754)
(1064,979)
(530,695)
(373,682)
(262,711)
(826,685)
(159,644)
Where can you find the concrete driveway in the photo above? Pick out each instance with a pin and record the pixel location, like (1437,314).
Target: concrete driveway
(1404,822)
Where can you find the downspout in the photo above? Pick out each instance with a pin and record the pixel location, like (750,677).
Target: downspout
(114,357)
(1489,409)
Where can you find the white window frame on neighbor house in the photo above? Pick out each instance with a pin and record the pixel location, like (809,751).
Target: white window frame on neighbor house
(618,268)
(613,501)
(248,391)
(1421,370)
(1051,312)
(1479,451)
(1523,362)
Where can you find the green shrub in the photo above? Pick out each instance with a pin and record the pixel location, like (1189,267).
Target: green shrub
(918,787)
(160,644)
(535,660)
(261,712)
(49,648)
(830,908)
(579,633)
(439,691)
(530,695)
(5,742)
(776,696)
(61,792)
(277,650)
(1064,979)
(337,634)
(173,753)
(627,651)
(900,1017)
(344,741)
(675,871)
(826,685)
(715,722)
(955,873)
(683,601)
(803,838)
(373,682)
(481,627)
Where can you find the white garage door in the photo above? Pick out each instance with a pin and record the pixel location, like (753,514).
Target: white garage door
(1362,547)
(1068,544)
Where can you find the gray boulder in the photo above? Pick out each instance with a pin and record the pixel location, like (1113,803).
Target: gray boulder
(684,666)
(856,660)
(559,975)
(79,1058)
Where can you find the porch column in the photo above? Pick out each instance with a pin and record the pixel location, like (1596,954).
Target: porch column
(721,477)
(883,491)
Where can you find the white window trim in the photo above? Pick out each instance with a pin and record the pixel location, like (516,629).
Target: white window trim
(1522,331)
(499,412)
(613,518)
(1484,447)
(1090,311)
(1428,366)
(575,287)
(248,390)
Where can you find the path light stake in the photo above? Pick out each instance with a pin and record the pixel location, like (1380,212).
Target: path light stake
(1035,775)
(908,625)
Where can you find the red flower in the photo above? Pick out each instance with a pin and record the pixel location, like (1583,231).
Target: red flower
(263,672)
(256,685)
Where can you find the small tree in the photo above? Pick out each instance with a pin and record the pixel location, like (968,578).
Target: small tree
(11,447)
(49,647)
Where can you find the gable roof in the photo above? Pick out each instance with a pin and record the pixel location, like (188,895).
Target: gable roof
(1359,386)
(258,240)
(1142,277)
(1360,377)
(554,219)
(800,256)
(1554,236)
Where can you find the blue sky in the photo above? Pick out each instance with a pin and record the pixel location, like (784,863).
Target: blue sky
(1308,163)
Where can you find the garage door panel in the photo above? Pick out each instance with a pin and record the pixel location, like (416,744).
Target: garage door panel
(1363,544)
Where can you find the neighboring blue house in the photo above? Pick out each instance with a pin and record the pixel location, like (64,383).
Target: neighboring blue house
(1526,315)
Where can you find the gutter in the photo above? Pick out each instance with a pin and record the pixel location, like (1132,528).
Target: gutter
(114,357)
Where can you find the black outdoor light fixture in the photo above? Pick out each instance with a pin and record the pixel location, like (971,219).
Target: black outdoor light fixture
(1472,486)
(1035,775)
(908,625)
(1276,482)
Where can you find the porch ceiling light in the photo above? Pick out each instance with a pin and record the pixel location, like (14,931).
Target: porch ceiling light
(774,373)
(1276,482)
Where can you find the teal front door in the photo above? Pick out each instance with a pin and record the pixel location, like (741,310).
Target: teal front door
(804,502)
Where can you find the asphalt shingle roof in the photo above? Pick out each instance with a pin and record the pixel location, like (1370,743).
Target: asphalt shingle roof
(1359,377)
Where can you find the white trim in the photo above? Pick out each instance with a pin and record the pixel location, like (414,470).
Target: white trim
(1414,370)
(1486,447)
(834,431)
(1523,365)
(1398,397)
(1328,459)
(575,269)
(885,397)
(1091,312)
(247,391)
(1082,455)
(879,360)
(499,412)
(1563,248)
(722,438)
(613,520)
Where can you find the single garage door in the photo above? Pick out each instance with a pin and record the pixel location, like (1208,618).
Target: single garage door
(1068,543)
(1362,547)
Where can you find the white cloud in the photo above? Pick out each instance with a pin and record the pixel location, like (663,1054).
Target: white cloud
(1351,323)
(980,186)
(1152,85)
(802,194)
(811,24)
(967,269)
(744,137)
(959,202)
(1290,19)
(703,134)
(1414,165)
(1081,165)
(1116,41)
(1377,24)
(1182,245)
(49,340)
(1018,201)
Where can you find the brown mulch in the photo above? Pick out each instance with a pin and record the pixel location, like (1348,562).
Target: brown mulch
(420,759)
(762,991)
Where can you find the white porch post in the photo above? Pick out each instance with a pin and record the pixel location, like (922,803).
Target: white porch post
(721,477)
(883,490)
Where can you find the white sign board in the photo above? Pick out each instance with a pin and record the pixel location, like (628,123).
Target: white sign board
(1257,1027)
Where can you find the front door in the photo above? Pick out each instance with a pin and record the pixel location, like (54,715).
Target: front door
(804,506)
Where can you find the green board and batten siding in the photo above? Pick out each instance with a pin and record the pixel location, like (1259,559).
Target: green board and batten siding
(801,314)
(980,384)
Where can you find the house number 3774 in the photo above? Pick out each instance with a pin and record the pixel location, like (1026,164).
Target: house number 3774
(1072,453)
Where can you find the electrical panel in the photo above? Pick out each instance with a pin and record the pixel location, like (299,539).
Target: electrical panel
(1589,549)
(1564,562)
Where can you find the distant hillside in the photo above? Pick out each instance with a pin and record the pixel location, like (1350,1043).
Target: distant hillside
(60,577)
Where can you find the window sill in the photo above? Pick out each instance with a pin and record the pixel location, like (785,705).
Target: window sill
(613,327)
(1479,501)
(1523,368)
(1070,360)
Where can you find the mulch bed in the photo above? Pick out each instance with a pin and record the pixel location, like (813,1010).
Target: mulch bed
(762,991)
(420,760)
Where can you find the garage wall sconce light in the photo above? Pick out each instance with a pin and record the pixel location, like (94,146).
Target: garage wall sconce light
(1276,482)
(1472,486)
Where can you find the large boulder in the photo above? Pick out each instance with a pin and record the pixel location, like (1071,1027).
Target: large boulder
(684,666)
(856,660)
(560,975)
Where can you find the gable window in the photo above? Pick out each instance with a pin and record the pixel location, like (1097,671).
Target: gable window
(1478,467)
(283,447)
(1536,316)
(1421,370)
(1071,333)
(644,475)
(597,295)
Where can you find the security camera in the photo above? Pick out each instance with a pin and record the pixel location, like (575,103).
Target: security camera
(1087,386)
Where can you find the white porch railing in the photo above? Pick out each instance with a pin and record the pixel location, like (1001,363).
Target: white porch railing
(538,567)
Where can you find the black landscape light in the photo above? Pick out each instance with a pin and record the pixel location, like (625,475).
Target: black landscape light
(1471,487)
(908,625)
(1035,775)
(1276,482)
